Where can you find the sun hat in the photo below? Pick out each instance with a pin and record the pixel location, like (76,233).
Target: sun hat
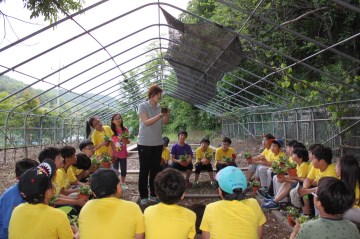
(230,178)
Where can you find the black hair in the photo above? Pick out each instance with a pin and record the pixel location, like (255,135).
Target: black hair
(323,153)
(301,153)
(169,186)
(238,194)
(166,140)
(40,197)
(205,140)
(85,143)
(89,125)
(268,136)
(82,161)
(292,142)
(335,196)
(314,146)
(299,145)
(226,140)
(183,132)
(22,165)
(67,151)
(104,182)
(113,126)
(49,153)
(277,143)
(349,171)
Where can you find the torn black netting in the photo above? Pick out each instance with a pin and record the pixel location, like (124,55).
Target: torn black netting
(200,54)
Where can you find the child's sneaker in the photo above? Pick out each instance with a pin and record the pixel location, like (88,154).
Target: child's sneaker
(144,201)
(270,205)
(153,199)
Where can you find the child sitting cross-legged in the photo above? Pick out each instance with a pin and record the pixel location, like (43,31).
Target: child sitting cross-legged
(233,216)
(331,198)
(167,219)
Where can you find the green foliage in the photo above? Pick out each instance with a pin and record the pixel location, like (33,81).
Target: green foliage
(85,189)
(50,9)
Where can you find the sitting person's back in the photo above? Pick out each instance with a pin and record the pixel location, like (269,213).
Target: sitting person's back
(167,219)
(36,219)
(108,216)
(332,198)
(234,216)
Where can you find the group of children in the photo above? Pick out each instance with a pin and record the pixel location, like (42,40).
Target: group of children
(316,188)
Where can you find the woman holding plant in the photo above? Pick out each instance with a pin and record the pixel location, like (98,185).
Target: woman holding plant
(120,139)
(150,143)
(101,136)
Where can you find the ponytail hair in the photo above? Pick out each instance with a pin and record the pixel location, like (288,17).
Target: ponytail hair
(89,125)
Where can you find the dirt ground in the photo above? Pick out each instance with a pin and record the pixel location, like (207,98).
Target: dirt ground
(272,229)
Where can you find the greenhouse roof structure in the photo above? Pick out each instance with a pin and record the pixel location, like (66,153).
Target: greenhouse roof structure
(102,59)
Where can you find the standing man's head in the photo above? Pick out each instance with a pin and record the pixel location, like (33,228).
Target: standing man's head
(170,186)
(105,183)
(155,92)
(333,196)
(21,166)
(225,143)
(232,183)
(87,147)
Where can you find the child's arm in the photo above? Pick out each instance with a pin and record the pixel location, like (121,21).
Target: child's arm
(140,236)
(260,231)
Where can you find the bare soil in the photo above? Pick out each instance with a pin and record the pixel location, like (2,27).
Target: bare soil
(272,229)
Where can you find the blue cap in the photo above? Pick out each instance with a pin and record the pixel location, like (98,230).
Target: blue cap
(231,178)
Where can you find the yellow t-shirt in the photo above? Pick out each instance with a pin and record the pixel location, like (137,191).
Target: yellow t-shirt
(169,221)
(165,155)
(59,180)
(110,218)
(30,221)
(357,195)
(316,174)
(71,175)
(233,219)
(274,157)
(98,137)
(302,170)
(220,154)
(75,170)
(200,154)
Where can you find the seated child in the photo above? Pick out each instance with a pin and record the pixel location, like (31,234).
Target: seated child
(225,155)
(11,197)
(332,198)
(108,216)
(165,155)
(204,155)
(167,219)
(87,147)
(81,167)
(182,155)
(36,219)
(245,215)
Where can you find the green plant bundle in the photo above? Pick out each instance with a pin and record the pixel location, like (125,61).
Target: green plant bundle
(105,158)
(283,160)
(164,106)
(247,155)
(293,211)
(53,199)
(107,138)
(255,184)
(183,158)
(209,156)
(289,165)
(94,160)
(226,159)
(85,189)
(125,135)
(279,170)
(274,165)
(304,218)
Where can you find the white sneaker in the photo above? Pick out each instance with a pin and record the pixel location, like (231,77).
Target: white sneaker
(144,201)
